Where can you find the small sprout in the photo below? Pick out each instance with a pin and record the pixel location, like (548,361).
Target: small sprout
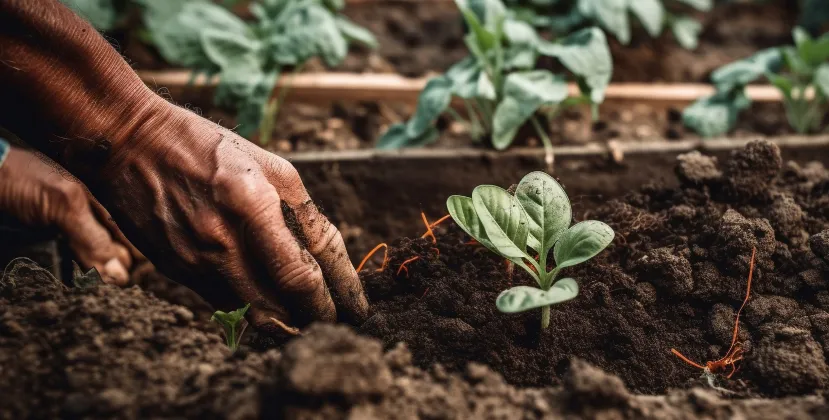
(230,322)
(538,216)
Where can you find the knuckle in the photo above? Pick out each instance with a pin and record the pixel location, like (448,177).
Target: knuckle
(286,173)
(330,239)
(300,277)
(71,197)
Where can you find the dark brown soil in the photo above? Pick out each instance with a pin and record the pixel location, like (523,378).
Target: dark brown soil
(103,352)
(673,278)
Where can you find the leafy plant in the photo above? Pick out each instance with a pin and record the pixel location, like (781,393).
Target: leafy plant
(537,217)
(800,72)
(233,323)
(497,83)
(563,16)
(249,57)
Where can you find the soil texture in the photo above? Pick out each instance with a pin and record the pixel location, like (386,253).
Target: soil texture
(673,278)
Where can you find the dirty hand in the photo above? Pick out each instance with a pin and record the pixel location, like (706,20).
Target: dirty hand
(228,219)
(41,195)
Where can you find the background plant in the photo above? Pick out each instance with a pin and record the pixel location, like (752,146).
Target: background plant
(564,16)
(247,57)
(233,323)
(498,85)
(537,217)
(800,72)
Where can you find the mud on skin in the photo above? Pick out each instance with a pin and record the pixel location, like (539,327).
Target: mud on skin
(673,278)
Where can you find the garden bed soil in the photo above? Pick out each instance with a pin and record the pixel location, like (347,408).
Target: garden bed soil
(673,277)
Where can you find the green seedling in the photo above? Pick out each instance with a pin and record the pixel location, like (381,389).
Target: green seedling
(537,218)
(565,16)
(497,82)
(800,72)
(234,325)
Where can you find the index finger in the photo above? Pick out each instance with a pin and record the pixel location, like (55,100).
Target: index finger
(321,238)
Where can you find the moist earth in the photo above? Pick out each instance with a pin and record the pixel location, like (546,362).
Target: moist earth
(673,278)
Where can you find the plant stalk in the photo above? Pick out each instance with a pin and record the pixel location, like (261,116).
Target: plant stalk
(549,157)
(545,317)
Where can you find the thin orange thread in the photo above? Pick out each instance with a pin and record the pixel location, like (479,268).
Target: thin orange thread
(735,351)
(372,252)
(403,266)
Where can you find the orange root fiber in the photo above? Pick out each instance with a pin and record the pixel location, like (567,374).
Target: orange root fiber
(372,252)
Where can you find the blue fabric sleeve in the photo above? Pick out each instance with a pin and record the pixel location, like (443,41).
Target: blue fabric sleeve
(4,150)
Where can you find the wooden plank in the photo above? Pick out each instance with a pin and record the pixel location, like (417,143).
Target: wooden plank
(392,87)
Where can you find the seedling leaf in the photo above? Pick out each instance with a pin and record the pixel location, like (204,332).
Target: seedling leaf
(524,92)
(701,5)
(433,100)
(651,13)
(230,322)
(743,72)
(686,31)
(397,136)
(582,242)
(356,33)
(547,207)
(463,213)
(522,298)
(586,54)
(503,218)
(822,78)
(717,114)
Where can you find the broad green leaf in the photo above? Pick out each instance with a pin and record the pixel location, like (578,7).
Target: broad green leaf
(396,137)
(717,114)
(487,12)
(522,298)
(356,33)
(586,54)
(102,14)
(483,38)
(503,218)
(464,76)
(822,78)
(547,207)
(523,40)
(334,5)
(433,100)
(178,38)
(782,82)
(651,13)
(794,63)
(226,49)
(582,242)
(743,72)
(463,213)
(702,5)
(524,92)
(330,42)
(485,89)
(611,14)
(686,31)
(812,51)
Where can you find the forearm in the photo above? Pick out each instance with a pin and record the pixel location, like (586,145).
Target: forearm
(64,89)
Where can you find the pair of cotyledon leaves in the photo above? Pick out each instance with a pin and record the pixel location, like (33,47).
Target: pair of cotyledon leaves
(538,216)
(806,60)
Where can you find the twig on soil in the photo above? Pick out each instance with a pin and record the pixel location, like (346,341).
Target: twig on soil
(735,352)
(288,329)
(372,252)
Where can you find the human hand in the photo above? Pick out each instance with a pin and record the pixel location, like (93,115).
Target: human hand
(227,219)
(44,195)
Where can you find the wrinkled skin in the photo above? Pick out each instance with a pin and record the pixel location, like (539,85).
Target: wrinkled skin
(41,195)
(203,204)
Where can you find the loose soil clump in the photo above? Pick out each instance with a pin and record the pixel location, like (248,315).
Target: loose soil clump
(673,278)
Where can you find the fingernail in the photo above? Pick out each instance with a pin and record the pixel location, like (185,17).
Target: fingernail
(115,273)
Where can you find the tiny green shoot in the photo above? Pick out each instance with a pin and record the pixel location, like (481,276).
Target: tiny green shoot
(233,323)
(534,222)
